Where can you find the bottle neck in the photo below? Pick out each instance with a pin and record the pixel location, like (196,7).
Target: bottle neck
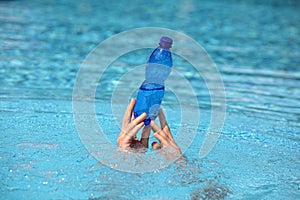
(163,48)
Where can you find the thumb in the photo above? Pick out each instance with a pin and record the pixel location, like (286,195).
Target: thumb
(156,146)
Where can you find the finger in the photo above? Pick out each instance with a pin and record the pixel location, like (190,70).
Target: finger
(146,132)
(154,126)
(165,133)
(167,130)
(145,142)
(174,146)
(145,136)
(158,130)
(163,136)
(135,122)
(135,129)
(156,146)
(162,118)
(139,119)
(167,143)
(128,112)
(160,136)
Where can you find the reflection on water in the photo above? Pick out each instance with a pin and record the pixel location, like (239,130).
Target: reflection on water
(185,176)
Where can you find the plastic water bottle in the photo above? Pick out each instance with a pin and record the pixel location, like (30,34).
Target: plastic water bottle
(152,90)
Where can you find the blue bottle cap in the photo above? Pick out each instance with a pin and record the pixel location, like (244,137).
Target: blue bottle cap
(165,42)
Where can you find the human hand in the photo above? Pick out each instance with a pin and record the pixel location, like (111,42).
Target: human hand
(164,135)
(130,127)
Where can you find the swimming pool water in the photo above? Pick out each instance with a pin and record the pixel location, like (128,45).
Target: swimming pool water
(255,46)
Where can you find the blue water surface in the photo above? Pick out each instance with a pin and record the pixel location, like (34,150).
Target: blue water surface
(255,46)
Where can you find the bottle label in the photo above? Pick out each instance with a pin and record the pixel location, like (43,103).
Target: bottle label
(157,73)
